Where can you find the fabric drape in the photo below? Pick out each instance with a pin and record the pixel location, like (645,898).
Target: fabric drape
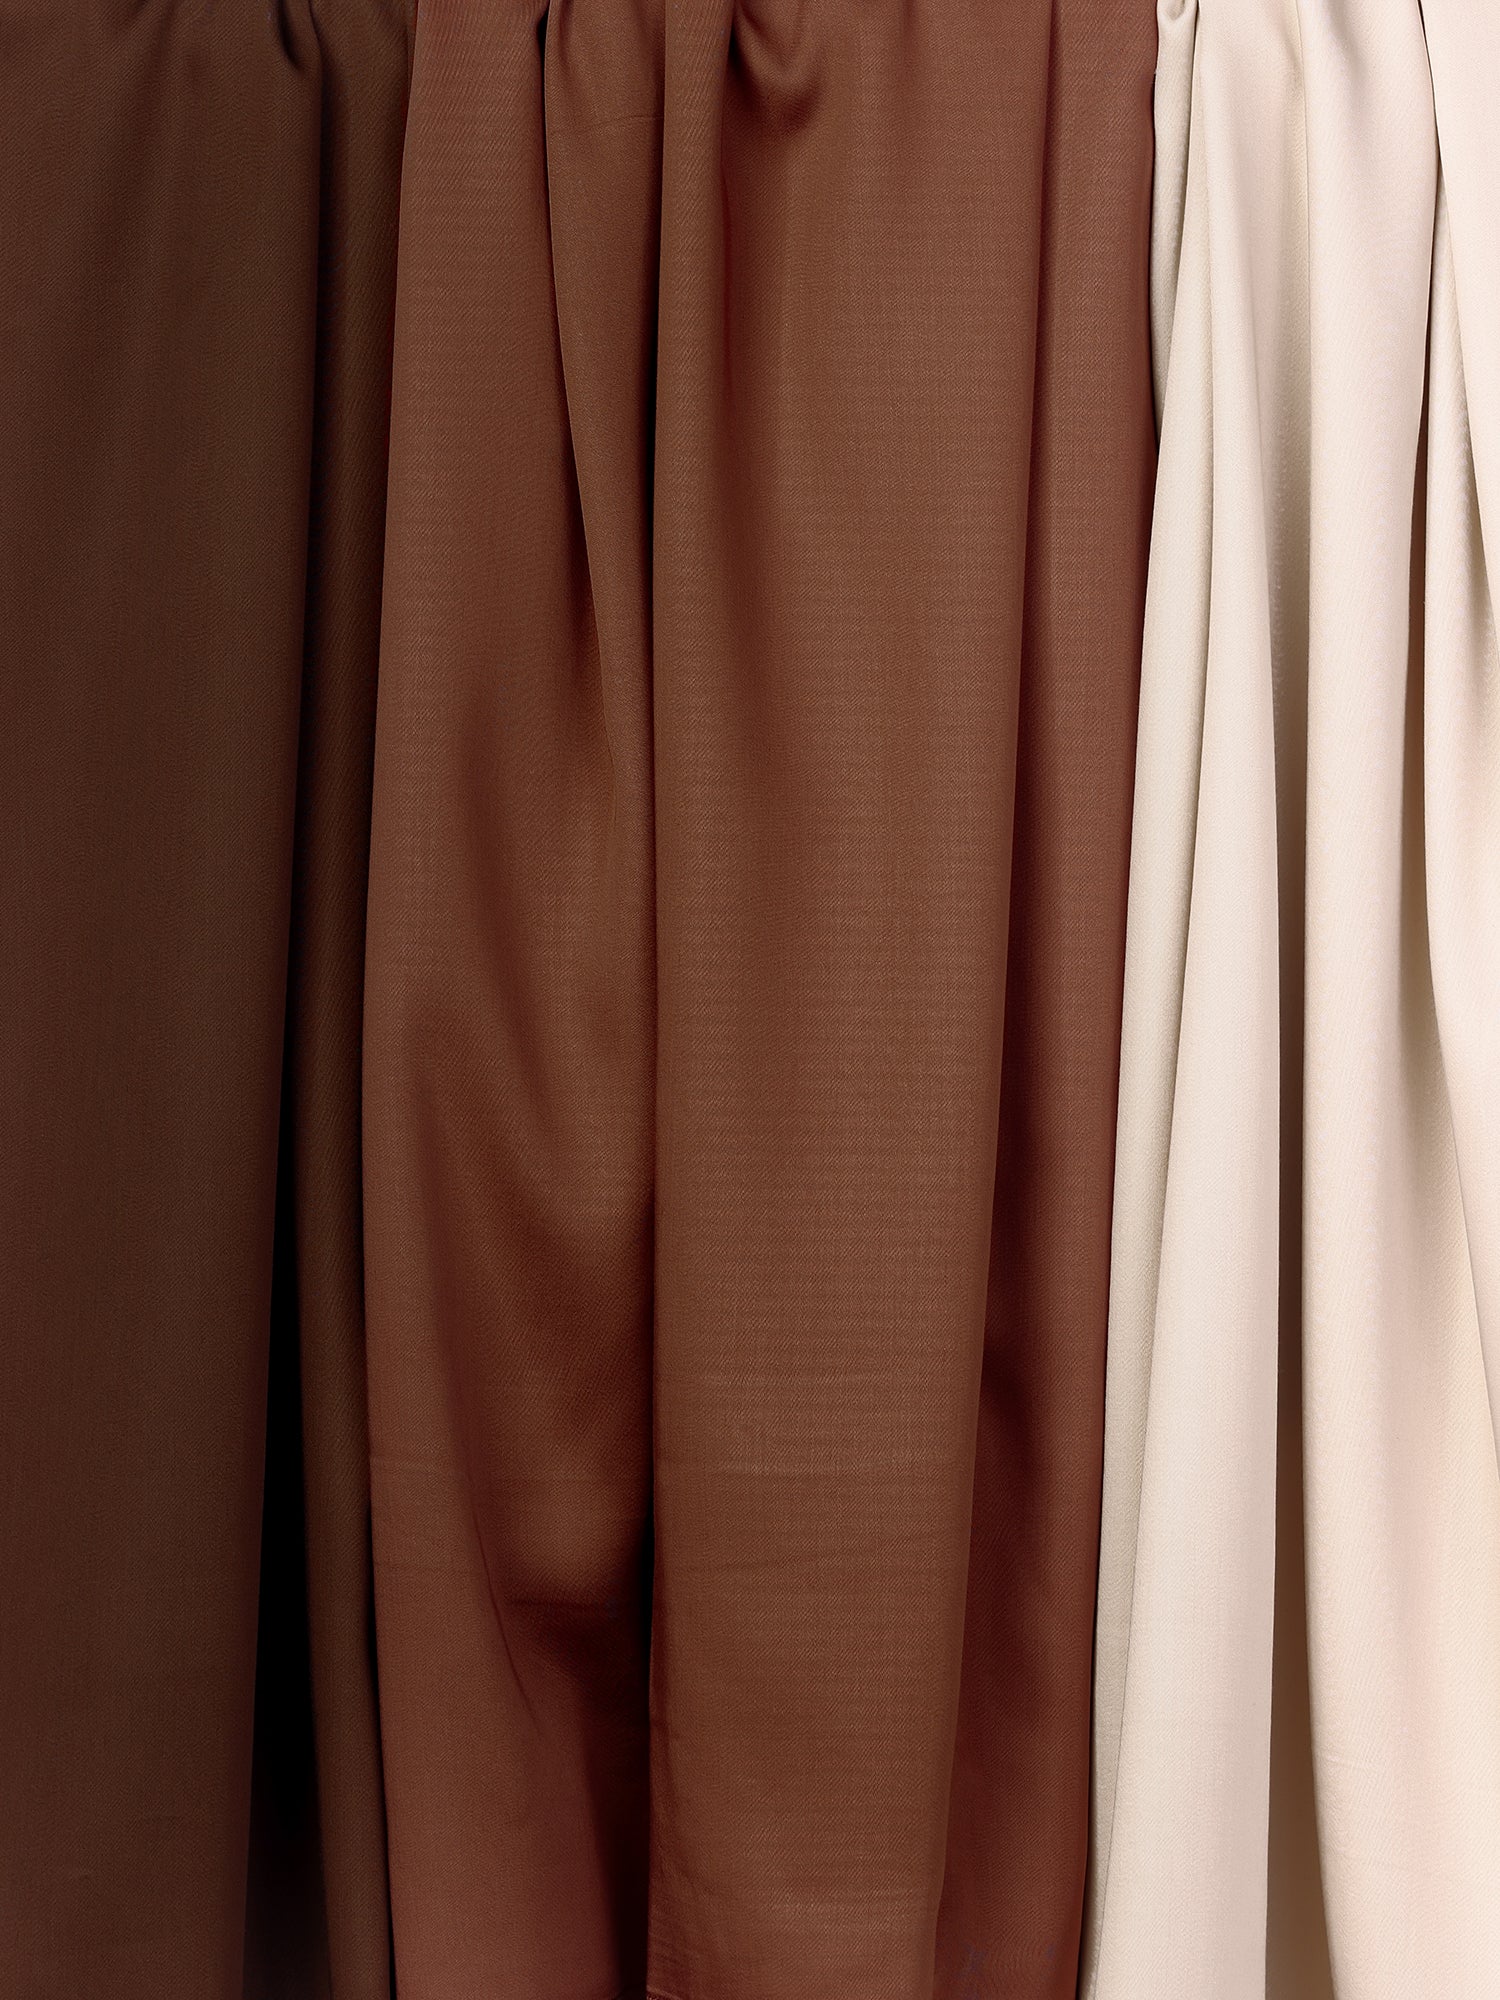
(196,273)
(319,1912)
(1013,1876)
(771,449)
(1297,1717)
(723,723)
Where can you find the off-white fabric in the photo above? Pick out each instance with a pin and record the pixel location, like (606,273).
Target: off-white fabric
(1297,1701)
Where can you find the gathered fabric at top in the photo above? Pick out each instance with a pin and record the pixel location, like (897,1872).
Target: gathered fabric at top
(770,467)
(1297,1710)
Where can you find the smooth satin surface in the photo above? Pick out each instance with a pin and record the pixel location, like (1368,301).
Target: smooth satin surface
(770,465)
(1297,1713)
(196,279)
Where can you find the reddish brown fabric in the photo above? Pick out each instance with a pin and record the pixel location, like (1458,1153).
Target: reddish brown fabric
(196,271)
(771,429)
(1013,1889)
(849,293)
(510,1021)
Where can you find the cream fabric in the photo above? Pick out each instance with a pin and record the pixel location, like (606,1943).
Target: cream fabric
(1297,1701)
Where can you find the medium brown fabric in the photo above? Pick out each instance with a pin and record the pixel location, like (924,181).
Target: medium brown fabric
(771,431)
(195,303)
(510,1022)
(1013,1891)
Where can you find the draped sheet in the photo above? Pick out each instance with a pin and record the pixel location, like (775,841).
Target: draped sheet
(197,263)
(1297,1714)
(770,463)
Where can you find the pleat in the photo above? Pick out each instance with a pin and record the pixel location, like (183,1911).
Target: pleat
(1171,111)
(1372,1793)
(1013,1886)
(319,1919)
(1401,1480)
(1460,751)
(1185,1625)
(850,252)
(1463,44)
(509,1019)
(1166,777)
(158,278)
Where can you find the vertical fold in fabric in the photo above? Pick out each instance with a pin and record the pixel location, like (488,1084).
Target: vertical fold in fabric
(1351,1847)
(1463,725)
(319,1919)
(1018,1827)
(850,246)
(1183,1673)
(157,303)
(1402,1485)
(509,1008)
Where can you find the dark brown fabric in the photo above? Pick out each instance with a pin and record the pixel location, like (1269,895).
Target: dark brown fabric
(771,432)
(319,1916)
(167,390)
